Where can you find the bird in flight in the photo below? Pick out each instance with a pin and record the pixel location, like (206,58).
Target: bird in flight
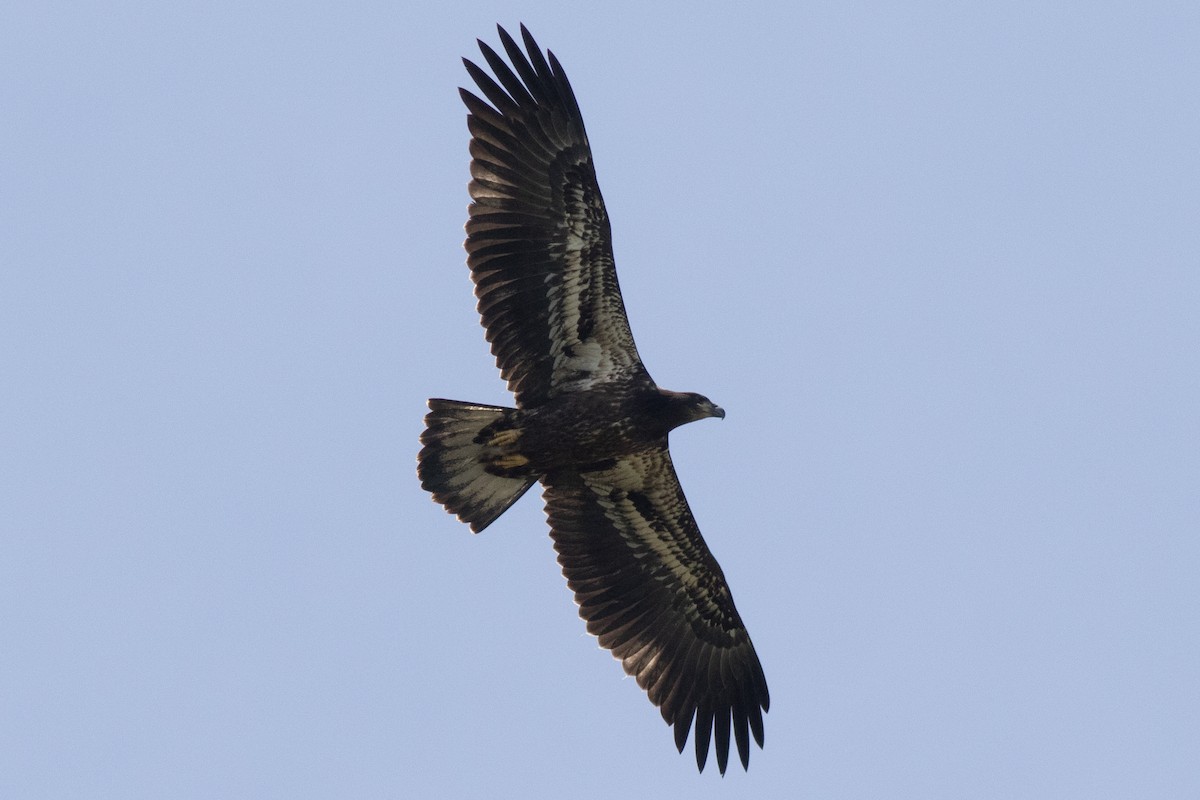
(589,423)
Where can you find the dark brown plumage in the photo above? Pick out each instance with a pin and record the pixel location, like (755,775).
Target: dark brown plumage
(589,422)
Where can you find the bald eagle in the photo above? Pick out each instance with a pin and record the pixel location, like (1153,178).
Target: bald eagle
(589,423)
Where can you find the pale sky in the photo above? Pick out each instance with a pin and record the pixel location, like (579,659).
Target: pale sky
(940,265)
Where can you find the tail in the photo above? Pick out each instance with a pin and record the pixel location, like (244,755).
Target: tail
(453,463)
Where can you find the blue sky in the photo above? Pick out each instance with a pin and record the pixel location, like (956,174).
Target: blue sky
(939,263)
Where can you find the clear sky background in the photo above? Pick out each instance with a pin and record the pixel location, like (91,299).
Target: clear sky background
(940,263)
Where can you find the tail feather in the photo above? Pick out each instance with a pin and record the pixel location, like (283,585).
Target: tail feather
(452,466)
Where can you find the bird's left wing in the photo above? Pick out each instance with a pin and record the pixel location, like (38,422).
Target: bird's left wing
(653,594)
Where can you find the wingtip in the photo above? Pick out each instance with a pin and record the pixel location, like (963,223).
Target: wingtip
(504,34)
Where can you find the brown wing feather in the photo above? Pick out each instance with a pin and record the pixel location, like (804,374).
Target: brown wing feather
(538,239)
(654,595)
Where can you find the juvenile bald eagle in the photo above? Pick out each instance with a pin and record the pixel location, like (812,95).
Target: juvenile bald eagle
(589,422)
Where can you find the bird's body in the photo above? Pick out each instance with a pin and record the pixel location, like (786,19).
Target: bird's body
(589,423)
(583,430)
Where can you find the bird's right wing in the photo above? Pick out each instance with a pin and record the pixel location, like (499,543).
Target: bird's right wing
(538,239)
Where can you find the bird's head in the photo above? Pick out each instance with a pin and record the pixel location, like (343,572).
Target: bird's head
(684,407)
